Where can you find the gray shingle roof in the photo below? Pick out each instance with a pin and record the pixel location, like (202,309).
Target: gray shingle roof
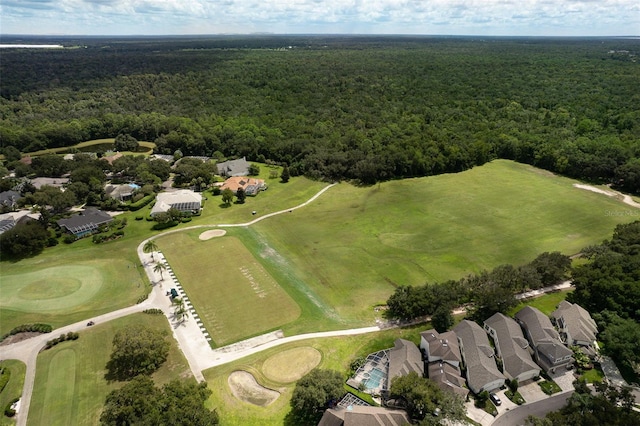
(404,358)
(576,320)
(88,220)
(512,344)
(478,356)
(442,346)
(364,416)
(541,333)
(447,377)
(239,167)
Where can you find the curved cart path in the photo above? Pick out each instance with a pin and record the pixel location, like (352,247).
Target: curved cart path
(196,350)
(609,193)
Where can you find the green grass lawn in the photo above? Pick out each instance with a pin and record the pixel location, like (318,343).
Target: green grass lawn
(148,145)
(354,245)
(595,375)
(546,303)
(549,387)
(70,387)
(337,354)
(48,290)
(13,388)
(232,293)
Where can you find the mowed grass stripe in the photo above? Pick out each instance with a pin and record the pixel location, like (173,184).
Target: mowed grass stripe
(354,245)
(234,296)
(60,389)
(70,387)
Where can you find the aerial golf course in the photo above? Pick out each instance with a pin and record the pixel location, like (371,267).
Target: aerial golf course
(325,266)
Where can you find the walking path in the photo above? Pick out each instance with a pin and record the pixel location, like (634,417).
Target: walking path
(190,337)
(609,193)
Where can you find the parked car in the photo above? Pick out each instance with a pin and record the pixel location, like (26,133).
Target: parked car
(495,399)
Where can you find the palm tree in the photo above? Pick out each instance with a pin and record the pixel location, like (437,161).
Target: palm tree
(149,247)
(159,268)
(181,312)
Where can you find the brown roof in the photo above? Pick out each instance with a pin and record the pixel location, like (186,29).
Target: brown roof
(447,377)
(235,182)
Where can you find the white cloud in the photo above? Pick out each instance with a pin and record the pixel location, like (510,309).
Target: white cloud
(499,17)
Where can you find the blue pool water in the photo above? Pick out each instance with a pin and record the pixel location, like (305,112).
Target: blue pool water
(375,377)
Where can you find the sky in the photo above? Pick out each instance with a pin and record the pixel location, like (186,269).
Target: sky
(429,17)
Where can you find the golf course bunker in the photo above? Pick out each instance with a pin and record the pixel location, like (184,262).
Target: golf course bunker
(245,387)
(207,235)
(290,365)
(51,289)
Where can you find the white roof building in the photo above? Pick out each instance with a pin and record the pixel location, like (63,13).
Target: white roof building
(184,200)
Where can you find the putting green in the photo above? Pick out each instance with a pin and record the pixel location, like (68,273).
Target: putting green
(292,364)
(51,289)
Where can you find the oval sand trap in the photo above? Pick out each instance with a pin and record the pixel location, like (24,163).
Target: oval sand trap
(245,387)
(207,235)
(290,365)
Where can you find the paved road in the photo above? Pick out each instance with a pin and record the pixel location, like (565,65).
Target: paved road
(192,342)
(517,416)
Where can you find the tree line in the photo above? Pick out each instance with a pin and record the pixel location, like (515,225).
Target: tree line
(486,293)
(367,109)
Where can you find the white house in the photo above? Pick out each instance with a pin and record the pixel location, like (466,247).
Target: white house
(183,200)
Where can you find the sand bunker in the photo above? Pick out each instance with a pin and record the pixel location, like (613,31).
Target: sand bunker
(245,387)
(207,235)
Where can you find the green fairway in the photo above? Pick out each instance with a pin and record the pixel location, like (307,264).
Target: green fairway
(13,388)
(99,143)
(70,387)
(337,354)
(43,289)
(232,293)
(354,245)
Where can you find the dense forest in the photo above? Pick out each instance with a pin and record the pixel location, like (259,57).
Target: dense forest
(364,108)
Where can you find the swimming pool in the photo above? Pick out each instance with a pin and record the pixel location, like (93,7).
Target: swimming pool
(375,377)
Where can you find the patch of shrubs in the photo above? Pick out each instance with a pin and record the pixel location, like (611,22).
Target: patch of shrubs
(63,338)
(186,219)
(139,217)
(25,328)
(164,225)
(8,411)
(153,311)
(141,203)
(101,238)
(69,239)
(142,298)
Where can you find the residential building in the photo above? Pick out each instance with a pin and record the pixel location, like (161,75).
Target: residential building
(239,167)
(478,358)
(575,325)
(39,182)
(9,220)
(360,415)
(440,347)
(448,378)
(549,352)
(85,223)
(121,192)
(251,186)
(183,200)
(9,199)
(512,347)
(404,358)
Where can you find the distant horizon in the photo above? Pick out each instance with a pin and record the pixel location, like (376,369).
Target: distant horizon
(500,18)
(259,34)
